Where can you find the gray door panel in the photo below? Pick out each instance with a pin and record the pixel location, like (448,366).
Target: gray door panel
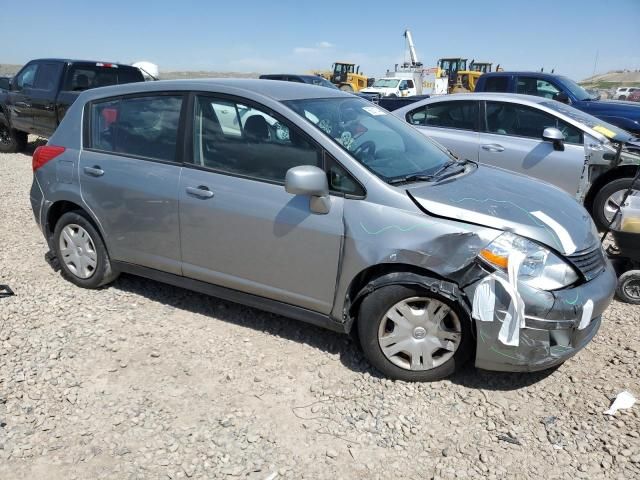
(463,143)
(534,158)
(254,237)
(136,202)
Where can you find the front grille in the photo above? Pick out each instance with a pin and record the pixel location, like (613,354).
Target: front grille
(589,264)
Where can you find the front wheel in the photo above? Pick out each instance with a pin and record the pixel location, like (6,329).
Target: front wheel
(608,199)
(346,88)
(413,334)
(11,140)
(82,255)
(629,287)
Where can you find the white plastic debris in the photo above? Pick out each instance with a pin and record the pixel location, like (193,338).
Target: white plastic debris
(484,301)
(623,400)
(587,310)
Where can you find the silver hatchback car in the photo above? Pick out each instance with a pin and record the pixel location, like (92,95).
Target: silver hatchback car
(535,136)
(318,205)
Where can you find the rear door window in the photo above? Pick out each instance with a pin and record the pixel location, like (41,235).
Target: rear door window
(496,84)
(83,77)
(461,114)
(236,138)
(144,127)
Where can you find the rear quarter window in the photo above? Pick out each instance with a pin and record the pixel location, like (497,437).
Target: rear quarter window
(144,127)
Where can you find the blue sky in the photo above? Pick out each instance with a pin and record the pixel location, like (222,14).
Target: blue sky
(295,36)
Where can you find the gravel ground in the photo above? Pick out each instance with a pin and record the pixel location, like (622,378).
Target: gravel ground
(144,380)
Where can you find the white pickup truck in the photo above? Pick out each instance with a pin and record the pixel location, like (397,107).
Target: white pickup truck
(392,87)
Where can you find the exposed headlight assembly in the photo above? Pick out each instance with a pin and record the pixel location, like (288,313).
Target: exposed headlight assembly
(540,268)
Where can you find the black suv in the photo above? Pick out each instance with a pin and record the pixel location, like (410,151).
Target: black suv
(37,97)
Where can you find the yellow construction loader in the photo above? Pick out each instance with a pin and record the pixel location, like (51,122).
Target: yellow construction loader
(347,76)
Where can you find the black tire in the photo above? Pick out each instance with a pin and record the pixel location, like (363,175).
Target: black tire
(628,289)
(622,97)
(103,272)
(12,141)
(372,312)
(393,95)
(600,200)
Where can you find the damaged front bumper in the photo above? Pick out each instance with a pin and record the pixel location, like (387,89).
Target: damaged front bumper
(554,327)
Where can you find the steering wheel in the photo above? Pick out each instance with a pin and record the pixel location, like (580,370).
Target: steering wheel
(365,150)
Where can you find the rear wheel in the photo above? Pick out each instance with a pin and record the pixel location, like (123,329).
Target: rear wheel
(346,88)
(81,253)
(608,199)
(622,97)
(629,287)
(12,141)
(413,334)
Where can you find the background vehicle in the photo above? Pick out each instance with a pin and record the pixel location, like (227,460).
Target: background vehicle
(310,79)
(324,200)
(407,79)
(634,96)
(42,91)
(534,136)
(447,74)
(392,87)
(622,93)
(565,90)
(347,77)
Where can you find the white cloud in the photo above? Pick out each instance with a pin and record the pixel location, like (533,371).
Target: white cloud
(325,45)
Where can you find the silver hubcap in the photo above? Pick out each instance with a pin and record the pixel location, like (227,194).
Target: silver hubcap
(419,333)
(77,251)
(614,201)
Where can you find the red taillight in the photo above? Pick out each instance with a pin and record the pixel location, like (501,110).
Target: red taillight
(43,154)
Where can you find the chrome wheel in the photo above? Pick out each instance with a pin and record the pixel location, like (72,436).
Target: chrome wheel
(632,289)
(78,251)
(613,203)
(419,333)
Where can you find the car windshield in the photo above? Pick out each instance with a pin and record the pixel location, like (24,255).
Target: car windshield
(386,83)
(322,82)
(384,144)
(576,90)
(590,121)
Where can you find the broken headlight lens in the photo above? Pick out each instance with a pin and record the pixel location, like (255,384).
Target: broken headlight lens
(540,268)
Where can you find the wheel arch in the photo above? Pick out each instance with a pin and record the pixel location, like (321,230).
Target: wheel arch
(623,171)
(59,208)
(376,276)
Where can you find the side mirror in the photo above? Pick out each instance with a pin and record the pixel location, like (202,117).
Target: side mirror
(562,97)
(555,136)
(311,181)
(5,83)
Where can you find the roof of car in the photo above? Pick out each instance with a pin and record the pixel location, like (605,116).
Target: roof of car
(71,60)
(489,96)
(275,89)
(530,74)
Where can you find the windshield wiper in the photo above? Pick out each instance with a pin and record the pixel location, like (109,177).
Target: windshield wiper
(421,177)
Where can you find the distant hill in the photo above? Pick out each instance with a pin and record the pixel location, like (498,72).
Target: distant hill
(613,79)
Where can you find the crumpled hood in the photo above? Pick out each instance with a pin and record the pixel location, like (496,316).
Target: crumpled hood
(495,198)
